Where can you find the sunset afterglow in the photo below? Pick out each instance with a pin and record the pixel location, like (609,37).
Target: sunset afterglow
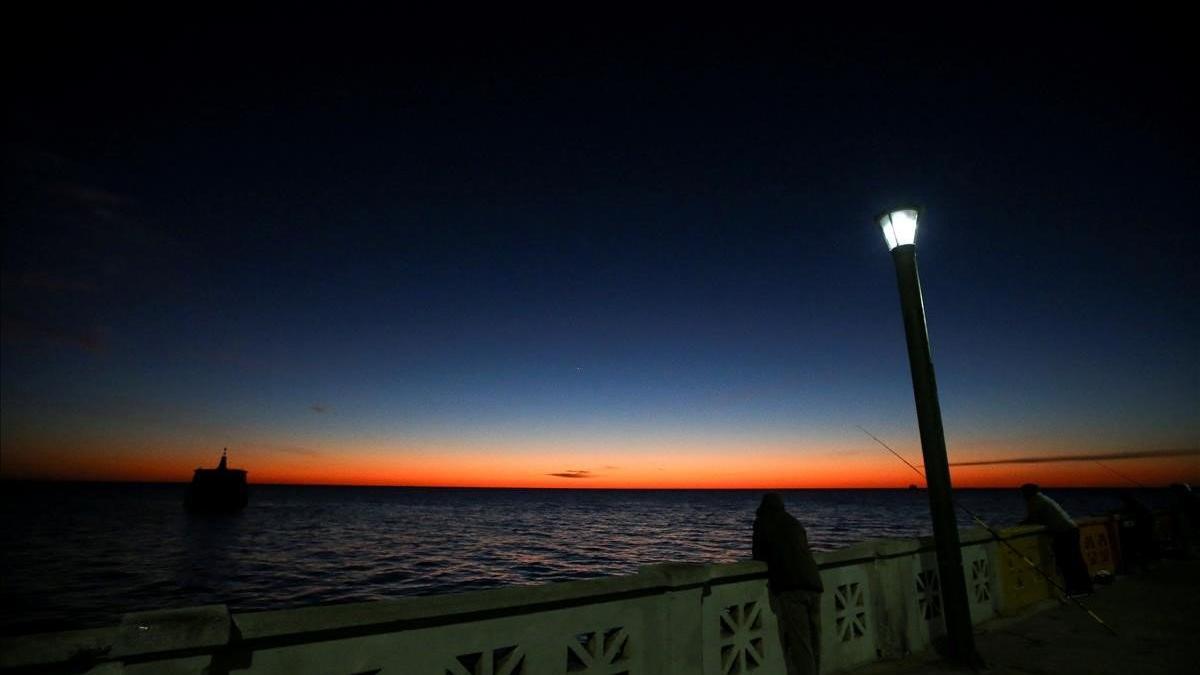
(588,266)
(658,465)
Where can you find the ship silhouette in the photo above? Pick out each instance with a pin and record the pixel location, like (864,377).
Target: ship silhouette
(219,490)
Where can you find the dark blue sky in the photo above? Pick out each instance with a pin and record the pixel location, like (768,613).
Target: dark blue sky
(411,234)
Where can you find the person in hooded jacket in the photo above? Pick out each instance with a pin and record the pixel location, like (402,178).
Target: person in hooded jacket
(1137,528)
(1064,536)
(793,583)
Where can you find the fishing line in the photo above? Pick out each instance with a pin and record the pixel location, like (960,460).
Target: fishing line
(1065,595)
(1118,473)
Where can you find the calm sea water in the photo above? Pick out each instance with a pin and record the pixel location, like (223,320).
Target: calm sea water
(80,555)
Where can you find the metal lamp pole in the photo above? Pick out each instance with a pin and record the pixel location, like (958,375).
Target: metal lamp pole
(900,230)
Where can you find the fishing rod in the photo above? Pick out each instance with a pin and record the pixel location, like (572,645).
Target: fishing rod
(1065,596)
(1121,475)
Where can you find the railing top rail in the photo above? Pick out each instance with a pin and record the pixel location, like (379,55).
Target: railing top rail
(404,613)
(48,648)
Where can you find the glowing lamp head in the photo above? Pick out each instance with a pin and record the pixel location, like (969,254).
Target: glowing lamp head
(899,227)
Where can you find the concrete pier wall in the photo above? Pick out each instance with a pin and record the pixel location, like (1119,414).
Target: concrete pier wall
(882,600)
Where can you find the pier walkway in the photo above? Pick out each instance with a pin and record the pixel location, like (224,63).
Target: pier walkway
(1156,615)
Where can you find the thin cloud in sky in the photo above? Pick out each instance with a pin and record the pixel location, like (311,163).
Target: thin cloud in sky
(572,473)
(1045,459)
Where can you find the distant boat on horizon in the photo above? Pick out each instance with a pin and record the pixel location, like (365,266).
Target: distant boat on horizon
(219,490)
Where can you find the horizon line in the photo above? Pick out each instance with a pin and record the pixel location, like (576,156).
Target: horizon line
(584,487)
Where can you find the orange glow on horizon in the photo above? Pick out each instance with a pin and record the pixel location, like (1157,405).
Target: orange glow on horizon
(769,467)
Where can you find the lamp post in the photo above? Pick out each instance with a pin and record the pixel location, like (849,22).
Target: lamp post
(900,231)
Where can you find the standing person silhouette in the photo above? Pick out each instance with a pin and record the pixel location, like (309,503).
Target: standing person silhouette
(1141,549)
(793,583)
(1042,510)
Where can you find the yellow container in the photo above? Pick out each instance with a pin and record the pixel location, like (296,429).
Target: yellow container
(1099,548)
(1020,584)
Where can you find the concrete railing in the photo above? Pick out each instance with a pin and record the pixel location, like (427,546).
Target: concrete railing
(882,600)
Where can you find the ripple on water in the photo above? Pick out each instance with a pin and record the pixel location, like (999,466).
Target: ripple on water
(104,549)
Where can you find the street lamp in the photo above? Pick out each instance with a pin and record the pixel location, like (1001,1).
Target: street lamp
(900,231)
